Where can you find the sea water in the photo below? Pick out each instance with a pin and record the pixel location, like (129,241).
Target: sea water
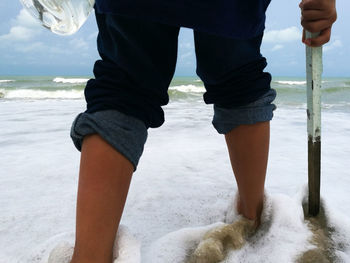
(290,90)
(184,178)
(63,17)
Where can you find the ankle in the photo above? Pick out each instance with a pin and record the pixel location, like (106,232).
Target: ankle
(90,258)
(254,217)
(251,212)
(84,260)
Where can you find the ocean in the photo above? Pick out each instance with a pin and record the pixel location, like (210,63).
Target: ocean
(184,182)
(291,90)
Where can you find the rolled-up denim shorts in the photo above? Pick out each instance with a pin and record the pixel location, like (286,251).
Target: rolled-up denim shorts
(137,64)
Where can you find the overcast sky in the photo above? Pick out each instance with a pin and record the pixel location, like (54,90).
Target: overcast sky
(28,49)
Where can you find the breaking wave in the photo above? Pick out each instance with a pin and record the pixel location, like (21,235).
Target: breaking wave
(41,94)
(72,81)
(188,88)
(290,82)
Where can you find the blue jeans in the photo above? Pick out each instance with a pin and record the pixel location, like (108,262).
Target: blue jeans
(138,60)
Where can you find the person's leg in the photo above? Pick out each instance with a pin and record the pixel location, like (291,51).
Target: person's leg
(111,144)
(239,89)
(104,180)
(248,147)
(123,101)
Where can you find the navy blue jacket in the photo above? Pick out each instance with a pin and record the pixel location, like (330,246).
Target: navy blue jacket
(240,19)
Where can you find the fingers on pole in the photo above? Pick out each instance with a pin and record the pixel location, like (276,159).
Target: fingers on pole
(321,39)
(317,16)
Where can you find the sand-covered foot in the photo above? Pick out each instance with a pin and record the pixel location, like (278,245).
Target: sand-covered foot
(218,241)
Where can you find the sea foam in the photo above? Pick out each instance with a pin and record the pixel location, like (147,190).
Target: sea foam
(73,80)
(188,88)
(289,82)
(41,94)
(189,191)
(294,82)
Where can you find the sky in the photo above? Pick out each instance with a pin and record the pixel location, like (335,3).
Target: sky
(26,48)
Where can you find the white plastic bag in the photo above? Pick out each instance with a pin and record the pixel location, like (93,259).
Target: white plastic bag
(63,17)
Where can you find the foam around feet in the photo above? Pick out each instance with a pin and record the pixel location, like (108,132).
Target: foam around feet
(127,249)
(215,243)
(62,253)
(266,214)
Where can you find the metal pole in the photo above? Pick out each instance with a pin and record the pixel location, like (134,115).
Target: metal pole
(314,79)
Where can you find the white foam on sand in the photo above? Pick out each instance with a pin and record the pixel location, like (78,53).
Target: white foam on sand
(41,94)
(72,80)
(281,237)
(59,248)
(183,185)
(178,245)
(127,249)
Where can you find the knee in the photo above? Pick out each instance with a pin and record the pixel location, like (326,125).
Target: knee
(124,133)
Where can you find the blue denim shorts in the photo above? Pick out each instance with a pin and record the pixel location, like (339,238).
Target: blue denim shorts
(137,64)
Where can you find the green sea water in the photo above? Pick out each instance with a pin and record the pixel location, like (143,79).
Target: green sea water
(291,91)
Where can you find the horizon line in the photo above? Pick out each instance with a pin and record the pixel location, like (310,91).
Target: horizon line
(178,76)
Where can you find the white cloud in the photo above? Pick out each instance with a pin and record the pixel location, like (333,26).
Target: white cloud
(25,28)
(18,33)
(286,35)
(25,19)
(30,47)
(93,36)
(277,47)
(185,45)
(79,43)
(335,44)
(186,55)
